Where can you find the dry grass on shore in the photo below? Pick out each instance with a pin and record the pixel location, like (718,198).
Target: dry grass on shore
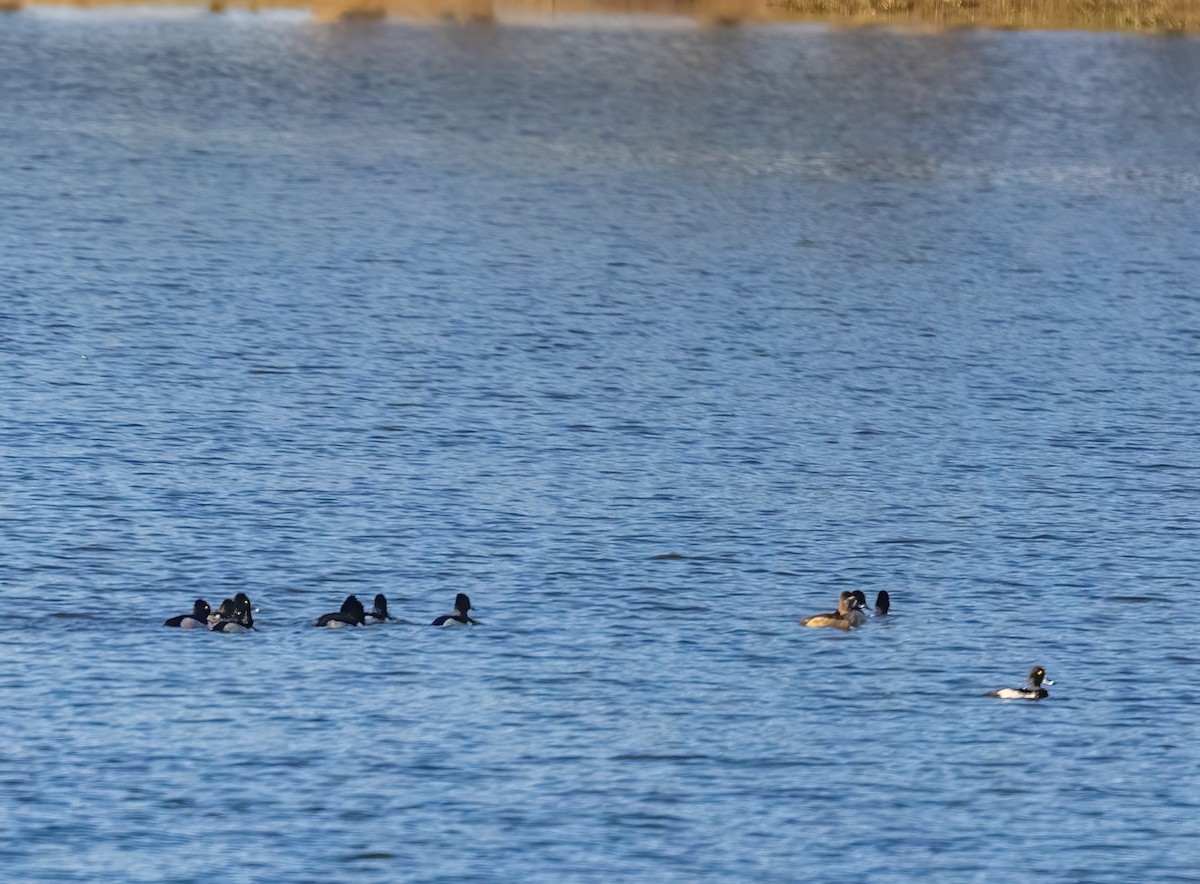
(1152,16)
(1155,16)
(1166,16)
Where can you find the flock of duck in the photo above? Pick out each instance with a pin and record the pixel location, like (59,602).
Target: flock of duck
(237,615)
(851,613)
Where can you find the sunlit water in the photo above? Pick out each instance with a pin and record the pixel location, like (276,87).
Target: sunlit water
(652,339)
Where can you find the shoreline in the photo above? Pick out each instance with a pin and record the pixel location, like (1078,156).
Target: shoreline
(1165,17)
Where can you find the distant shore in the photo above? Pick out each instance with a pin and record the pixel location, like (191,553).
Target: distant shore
(1145,16)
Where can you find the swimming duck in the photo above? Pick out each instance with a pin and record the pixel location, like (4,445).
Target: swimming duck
(1033,689)
(462,604)
(243,617)
(883,602)
(857,614)
(847,616)
(351,614)
(225,611)
(198,619)
(378,614)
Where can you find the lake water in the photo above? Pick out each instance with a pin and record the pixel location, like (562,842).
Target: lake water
(652,339)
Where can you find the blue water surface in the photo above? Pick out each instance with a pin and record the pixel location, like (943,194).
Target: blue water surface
(652,340)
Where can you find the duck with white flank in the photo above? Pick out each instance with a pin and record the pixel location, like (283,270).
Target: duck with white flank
(462,604)
(351,614)
(379,613)
(198,619)
(1033,689)
(243,616)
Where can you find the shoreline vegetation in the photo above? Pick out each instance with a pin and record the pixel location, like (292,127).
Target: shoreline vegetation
(1143,16)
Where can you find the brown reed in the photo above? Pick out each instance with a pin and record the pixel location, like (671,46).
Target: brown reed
(1162,16)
